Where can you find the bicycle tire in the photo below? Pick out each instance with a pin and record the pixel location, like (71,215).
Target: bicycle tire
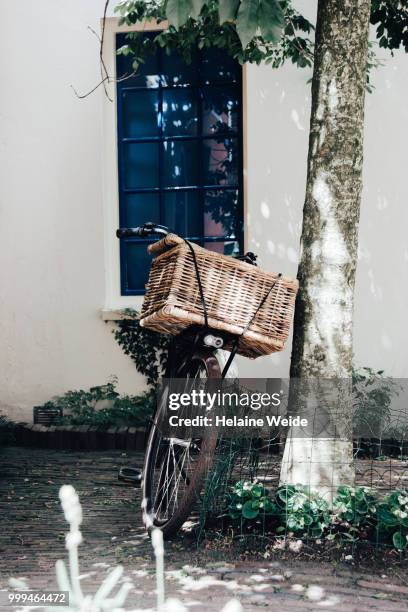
(170,526)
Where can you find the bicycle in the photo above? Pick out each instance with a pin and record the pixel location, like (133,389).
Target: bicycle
(175,469)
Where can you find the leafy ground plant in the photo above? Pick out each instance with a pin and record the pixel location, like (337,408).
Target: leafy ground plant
(392,516)
(354,513)
(301,511)
(102,405)
(249,501)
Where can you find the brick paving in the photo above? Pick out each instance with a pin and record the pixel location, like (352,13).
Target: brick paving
(32,539)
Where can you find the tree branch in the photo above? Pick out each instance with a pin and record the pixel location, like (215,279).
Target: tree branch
(104,72)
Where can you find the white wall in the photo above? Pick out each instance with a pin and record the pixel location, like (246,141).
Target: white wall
(52,253)
(51,242)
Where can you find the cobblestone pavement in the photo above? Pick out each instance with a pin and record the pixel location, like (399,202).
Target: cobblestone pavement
(32,538)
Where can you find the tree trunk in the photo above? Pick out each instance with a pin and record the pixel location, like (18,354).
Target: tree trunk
(322,343)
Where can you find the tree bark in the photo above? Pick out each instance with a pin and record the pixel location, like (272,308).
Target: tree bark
(323,328)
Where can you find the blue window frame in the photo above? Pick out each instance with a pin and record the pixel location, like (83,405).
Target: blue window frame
(179,153)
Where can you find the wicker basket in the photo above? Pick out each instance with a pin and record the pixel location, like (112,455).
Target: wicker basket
(232,289)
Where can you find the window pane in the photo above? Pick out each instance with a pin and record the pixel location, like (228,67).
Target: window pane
(166,175)
(183,213)
(176,71)
(137,265)
(220,159)
(180,163)
(221,216)
(141,165)
(217,65)
(220,110)
(229,247)
(141,207)
(147,74)
(180,113)
(140,114)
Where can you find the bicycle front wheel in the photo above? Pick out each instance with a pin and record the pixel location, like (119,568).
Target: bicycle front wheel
(174,469)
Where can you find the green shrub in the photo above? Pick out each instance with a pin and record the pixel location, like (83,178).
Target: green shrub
(372,393)
(392,516)
(354,513)
(302,511)
(81,407)
(249,501)
(355,505)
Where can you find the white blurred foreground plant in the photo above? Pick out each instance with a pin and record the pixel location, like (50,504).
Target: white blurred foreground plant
(104,599)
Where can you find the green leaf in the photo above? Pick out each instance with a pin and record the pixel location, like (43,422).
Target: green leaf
(399,540)
(270,19)
(227,10)
(178,12)
(292,522)
(308,520)
(248,511)
(286,492)
(385,517)
(257,490)
(247,21)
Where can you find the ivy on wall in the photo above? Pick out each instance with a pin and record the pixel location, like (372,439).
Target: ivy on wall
(147,349)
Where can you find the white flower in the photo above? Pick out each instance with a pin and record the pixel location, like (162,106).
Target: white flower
(239,506)
(67,493)
(261,505)
(70,505)
(73,539)
(403,514)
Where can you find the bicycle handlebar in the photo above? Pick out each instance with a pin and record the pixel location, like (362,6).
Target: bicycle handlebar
(150,228)
(147,229)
